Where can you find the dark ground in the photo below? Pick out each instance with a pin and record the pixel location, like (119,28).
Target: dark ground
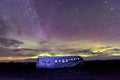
(92,70)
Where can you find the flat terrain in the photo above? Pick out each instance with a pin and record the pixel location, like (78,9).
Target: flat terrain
(92,70)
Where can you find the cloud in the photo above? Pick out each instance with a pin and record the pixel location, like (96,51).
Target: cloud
(106,47)
(84,51)
(6,46)
(25,49)
(28,51)
(78,51)
(7,52)
(116,49)
(6,42)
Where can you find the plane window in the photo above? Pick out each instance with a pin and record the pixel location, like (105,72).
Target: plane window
(63,60)
(74,58)
(66,60)
(59,60)
(55,60)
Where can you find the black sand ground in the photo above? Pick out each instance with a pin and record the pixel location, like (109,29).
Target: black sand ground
(92,70)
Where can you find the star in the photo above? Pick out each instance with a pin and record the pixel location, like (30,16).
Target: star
(60,3)
(76,9)
(30,8)
(112,8)
(105,2)
(4,17)
(8,0)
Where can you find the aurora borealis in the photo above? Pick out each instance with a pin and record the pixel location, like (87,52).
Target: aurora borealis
(89,28)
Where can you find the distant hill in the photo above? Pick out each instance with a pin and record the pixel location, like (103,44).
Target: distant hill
(27,60)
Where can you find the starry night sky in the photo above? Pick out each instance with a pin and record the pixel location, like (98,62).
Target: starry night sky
(88,28)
